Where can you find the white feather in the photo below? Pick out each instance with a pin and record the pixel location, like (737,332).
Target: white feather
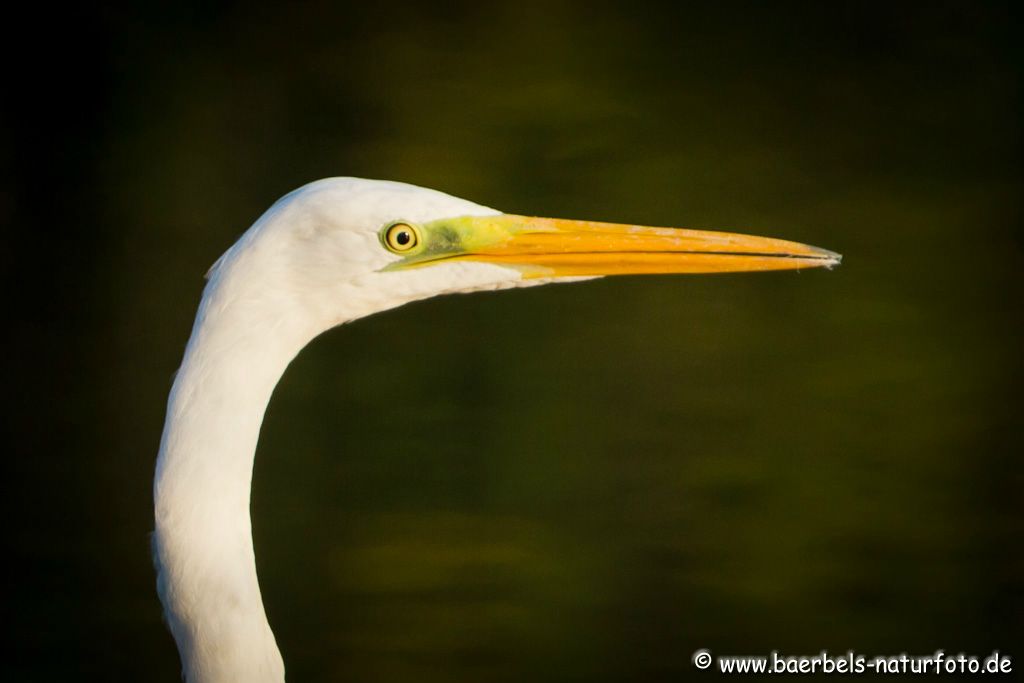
(311,262)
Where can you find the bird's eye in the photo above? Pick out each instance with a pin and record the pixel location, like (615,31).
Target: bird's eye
(401,237)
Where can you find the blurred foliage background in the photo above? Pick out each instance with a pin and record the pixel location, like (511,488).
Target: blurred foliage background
(574,483)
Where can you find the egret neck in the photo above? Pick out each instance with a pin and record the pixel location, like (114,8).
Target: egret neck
(239,348)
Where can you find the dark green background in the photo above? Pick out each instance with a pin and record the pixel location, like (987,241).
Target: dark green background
(574,483)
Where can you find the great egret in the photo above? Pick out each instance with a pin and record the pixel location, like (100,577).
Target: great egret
(330,252)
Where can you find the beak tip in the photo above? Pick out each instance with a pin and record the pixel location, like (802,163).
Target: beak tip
(831,259)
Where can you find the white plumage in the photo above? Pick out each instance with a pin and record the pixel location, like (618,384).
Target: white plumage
(314,260)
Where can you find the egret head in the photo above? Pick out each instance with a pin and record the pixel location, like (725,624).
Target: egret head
(341,248)
(333,251)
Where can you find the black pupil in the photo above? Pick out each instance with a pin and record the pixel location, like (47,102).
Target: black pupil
(402,238)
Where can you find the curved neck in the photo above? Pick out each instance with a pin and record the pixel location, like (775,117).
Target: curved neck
(239,348)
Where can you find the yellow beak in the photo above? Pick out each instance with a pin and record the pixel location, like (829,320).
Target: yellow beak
(546,247)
